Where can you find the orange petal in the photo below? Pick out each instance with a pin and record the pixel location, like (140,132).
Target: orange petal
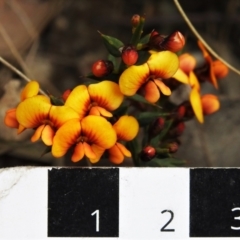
(196,103)
(37,134)
(10,118)
(58,115)
(133,78)
(99,111)
(20,129)
(203,49)
(33,111)
(210,103)
(151,92)
(88,151)
(181,76)
(126,128)
(98,151)
(220,69)
(47,135)
(106,94)
(30,90)
(79,100)
(123,149)
(115,155)
(163,64)
(187,63)
(65,137)
(193,81)
(163,88)
(98,131)
(78,153)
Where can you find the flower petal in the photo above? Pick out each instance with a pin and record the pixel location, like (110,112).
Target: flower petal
(58,115)
(98,131)
(126,128)
(210,103)
(193,81)
(88,151)
(163,64)
(37,134)
(32,111)
(181,76)
(78,152)
(10,119)
(98,151)
(106,94)
(99,111)
(151,92)
(79,100)
(30,90)
(65,137)
(163,88)
(115,155)
(47,135)
(133,78)
(187,62)
(220,69)
(196,103)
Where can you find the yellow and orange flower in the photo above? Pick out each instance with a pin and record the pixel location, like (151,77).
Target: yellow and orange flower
(86,136)
(30,90)
(38,113)
(146,78)
(210,104)
(216,69)
(96,99)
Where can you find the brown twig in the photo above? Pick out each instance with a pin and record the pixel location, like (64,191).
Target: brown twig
(195,32)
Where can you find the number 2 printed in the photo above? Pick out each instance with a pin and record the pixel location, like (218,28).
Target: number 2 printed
(163,229)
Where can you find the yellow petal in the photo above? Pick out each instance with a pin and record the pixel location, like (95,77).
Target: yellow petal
(30,90)
(163,88)
(210,103)
(115,155)
(78,152)
(196,103)
(181,76)
(133,78)
(193,81)
(106,94)
(99,111)
(151,92)
(65,137)
(163,64)
(187,63)
(33,111)
(10,118)
(79,100)
(98,151)
(88,151)
(47,135)
(37,134)
(126,128)
(58,115)
(98,131)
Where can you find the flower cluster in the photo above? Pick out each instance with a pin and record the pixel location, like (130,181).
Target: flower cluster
(126,110)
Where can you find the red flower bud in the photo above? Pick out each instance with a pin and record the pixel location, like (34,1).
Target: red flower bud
(129,55)
(177,130)
(135,20)
(173,147)
(66,94)
(174,42)
(148,153)
(156,127)
(156,41)
(102,68)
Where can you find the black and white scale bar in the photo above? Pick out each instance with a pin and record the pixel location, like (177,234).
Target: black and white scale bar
(124,203)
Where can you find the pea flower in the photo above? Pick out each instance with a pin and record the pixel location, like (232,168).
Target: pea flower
(38,113)
(96,99)
(30,90)
(146,78)
(86,136)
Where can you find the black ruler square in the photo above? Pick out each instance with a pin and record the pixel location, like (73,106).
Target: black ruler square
(214,202)
(83,202)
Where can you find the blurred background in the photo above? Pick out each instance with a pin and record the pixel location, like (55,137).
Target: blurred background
(56,42)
